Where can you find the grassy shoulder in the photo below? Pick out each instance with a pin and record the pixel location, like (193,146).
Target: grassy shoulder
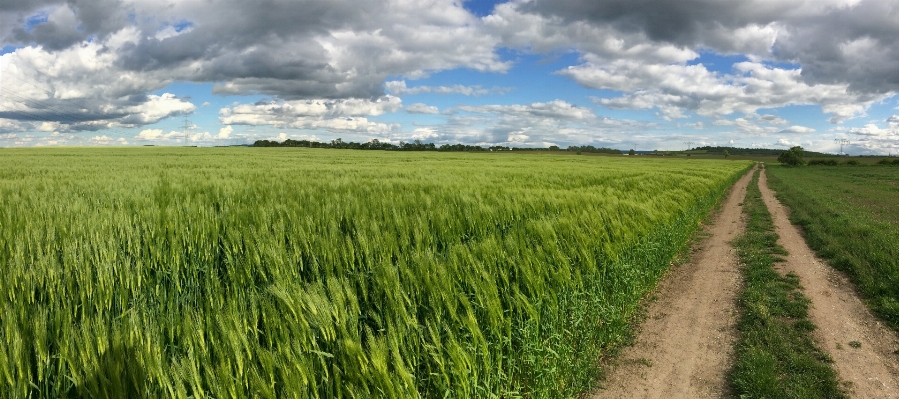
(850,217)
(775,356)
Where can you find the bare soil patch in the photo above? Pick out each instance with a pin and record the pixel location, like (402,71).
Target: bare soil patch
(863,349)
(685,345)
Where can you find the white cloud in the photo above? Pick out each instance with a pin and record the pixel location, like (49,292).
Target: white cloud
(872,130)
(225,132)
(75,84)
(194,138)
(523,125)
(419,108)
(547,34)
(556,109)
(106,56)
(746,125)
(100,61)
(286,110)
(332,115)
(697,125)
(103,140)
(169,32)
(797,129)
(157,134)
(772,119)
(398,87)
(155,109)
(674,88)
(425,134)
(852,42)
(786,143)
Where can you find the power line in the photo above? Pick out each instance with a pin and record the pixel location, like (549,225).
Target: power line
(105,119)
(74,115)
(842,142)
(65,117)
(52,94)
(71,118)
(32,103)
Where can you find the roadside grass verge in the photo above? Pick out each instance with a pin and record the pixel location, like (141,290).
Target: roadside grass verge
(775,355)
(611,355)
(850,217)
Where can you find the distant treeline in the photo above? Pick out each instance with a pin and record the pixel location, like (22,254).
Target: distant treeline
(418,145)
(754,151)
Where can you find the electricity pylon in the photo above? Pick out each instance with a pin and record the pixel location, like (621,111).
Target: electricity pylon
(186,129)
(842,142)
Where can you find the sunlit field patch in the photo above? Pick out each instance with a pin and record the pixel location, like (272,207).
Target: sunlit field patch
(329,273)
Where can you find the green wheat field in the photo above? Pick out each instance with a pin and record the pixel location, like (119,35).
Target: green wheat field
(281,273)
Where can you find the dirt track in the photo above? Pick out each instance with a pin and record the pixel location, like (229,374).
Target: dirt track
(840,315)
(684,347)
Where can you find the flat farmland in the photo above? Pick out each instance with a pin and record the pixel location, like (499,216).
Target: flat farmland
(850,217)
(160,272)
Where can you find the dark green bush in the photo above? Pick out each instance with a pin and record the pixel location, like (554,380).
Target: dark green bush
(823,162)
(792,157)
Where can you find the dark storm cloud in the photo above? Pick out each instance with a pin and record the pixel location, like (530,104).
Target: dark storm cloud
(109,54)
(858,45)
(833,41)
(290,70)
(51,35)
(278,47)
(67,24)
(683,22)
(25,5)
(100,17)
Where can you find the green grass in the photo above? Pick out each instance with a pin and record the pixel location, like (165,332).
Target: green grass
(176,272)
(775,355)
(850,217)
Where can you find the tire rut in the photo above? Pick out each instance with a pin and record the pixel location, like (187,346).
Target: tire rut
(870,370)
(685,346)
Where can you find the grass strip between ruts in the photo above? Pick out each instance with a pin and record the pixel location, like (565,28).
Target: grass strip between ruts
(849,215)
(775,355)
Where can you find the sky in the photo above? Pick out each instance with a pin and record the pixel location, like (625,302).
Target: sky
(642,74)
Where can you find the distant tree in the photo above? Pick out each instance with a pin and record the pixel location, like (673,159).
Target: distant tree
(590,149)
(792,157)
(726,154)
(374,144)
(631,152)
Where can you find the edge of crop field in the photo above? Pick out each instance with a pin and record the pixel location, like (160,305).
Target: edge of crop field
(775,354)
(712,207)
